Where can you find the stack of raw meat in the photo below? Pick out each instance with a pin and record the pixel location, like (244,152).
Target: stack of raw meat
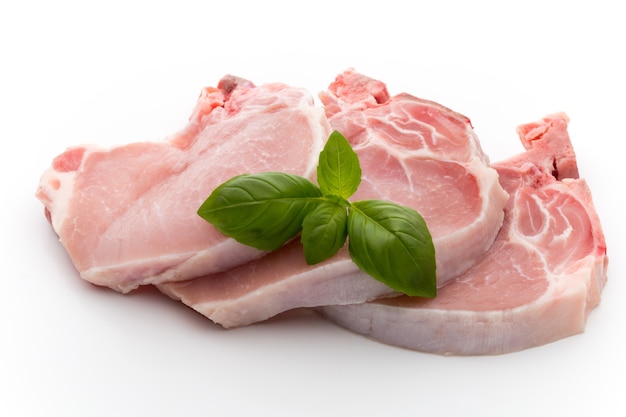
(521,257)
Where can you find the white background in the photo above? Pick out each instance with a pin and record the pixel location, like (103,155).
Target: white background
(115,72)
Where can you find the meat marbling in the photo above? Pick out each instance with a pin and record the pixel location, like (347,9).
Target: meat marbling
(127,215)
(539,281)
(413,152)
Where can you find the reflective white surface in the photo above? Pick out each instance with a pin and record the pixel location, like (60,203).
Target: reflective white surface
(77,73)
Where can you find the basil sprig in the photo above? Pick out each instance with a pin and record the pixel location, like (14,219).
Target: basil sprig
(388,241)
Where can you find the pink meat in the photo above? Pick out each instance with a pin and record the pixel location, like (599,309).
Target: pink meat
(412,151)
(423,155)
(538,282)
(127,215)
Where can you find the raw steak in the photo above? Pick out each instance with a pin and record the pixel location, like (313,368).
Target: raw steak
(412,151)
(127,215)
(538,282)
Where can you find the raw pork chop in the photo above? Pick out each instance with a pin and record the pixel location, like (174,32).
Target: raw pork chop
(538,282)
(127,215)
(414,152)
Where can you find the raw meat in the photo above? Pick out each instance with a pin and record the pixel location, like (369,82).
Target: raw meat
(423,155)
(539,281)
(127,215)
(412,151)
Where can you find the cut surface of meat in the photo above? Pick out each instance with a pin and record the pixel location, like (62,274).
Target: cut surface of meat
(127,215)
(413,152)
(421,154)
(537,283)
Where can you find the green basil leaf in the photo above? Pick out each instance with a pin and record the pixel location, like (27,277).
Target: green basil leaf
(324,231)
(261,210)
(392,244)
(338,170)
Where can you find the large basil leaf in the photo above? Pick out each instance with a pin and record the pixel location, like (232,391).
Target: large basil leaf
(261,210)
(392,244)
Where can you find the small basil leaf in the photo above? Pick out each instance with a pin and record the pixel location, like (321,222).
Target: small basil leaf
(338,170)
(324,231)
(392,244)
(261,210)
